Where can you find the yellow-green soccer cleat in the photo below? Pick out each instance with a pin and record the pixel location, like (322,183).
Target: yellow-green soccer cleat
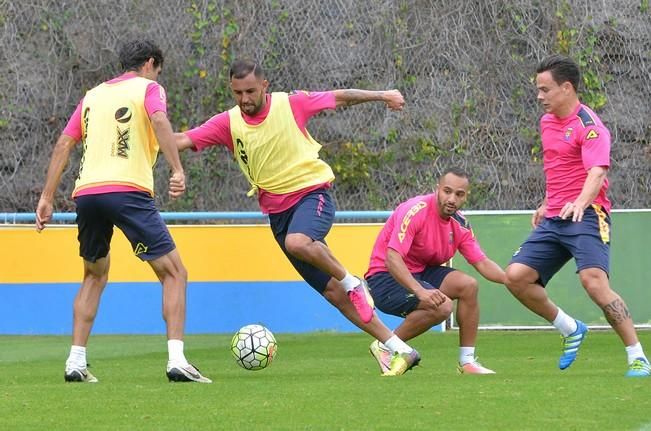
(639,368)
(402,362)
(571,345)
(381,355)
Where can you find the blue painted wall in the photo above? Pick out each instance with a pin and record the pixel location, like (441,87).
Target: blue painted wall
(135,308)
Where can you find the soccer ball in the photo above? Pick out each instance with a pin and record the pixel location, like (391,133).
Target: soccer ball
(253,347)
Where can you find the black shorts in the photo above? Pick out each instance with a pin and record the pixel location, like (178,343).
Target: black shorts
(555,241)
(391,298)
(312,216)
(134,213)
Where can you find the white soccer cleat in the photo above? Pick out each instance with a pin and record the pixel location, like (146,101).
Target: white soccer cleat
(73,374)
(474,367)
(188,373)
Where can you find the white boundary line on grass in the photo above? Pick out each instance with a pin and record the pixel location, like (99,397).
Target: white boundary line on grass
(545,327)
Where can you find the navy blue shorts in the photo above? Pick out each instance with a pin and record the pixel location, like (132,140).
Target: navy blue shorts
(134,213)
(391,298)
(555,241)
(313,216)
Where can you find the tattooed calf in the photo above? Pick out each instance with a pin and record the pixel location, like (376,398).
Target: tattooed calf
(616,312)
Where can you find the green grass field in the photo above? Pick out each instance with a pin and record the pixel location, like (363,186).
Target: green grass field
(324,381)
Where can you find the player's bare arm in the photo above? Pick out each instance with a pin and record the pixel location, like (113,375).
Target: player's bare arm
(349,97)
(58,162)
(166,141)
(398,269)
(182,141)
(490,271)
(591,187)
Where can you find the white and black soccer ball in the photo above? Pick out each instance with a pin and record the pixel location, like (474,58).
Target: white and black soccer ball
(253,347)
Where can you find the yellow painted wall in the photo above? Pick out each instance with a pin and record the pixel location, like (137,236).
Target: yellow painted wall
(211,253)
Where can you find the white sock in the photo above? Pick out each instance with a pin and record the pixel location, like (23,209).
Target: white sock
(77,357)
(176,355)
(564,323)
(466,355)
(349,282)
(395,344)
(635,351)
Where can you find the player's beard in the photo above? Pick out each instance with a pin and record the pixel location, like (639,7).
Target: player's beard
(252,109)
(446,209)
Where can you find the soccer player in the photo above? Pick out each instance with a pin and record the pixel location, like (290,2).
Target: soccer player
(408,276)
(267,134)
(573,220)
(121,124)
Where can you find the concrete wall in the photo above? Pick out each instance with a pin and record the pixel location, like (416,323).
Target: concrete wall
(238,275)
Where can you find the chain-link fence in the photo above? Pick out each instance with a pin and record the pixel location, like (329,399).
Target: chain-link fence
(465,68)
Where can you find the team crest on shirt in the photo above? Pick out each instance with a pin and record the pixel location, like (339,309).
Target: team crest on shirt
(568,133)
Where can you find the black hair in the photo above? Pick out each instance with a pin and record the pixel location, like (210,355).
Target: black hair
(134,53)
(562,68)
(243,67)
(456,171)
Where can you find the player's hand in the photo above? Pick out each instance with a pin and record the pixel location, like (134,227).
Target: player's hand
(432,297)
(177,184)
(537,216)
(43,213)
(572,209)
(394,100)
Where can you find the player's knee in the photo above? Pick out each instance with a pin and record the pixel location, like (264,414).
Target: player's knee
(593,277)
(176,271)
(445,309)
(96,271)
(97,278)
(296,246)
(465,287)
(169,268)
(439,313)
(595,282)
(514,278)
(180,272)
(470,287)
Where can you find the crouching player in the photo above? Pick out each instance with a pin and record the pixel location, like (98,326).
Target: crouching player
(407,276)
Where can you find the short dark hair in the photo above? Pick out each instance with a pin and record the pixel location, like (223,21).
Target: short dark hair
(134,53)
(243,67)
(455,171)
(562,69)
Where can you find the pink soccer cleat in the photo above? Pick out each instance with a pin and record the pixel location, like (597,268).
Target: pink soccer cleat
(362,301)
(474,368)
